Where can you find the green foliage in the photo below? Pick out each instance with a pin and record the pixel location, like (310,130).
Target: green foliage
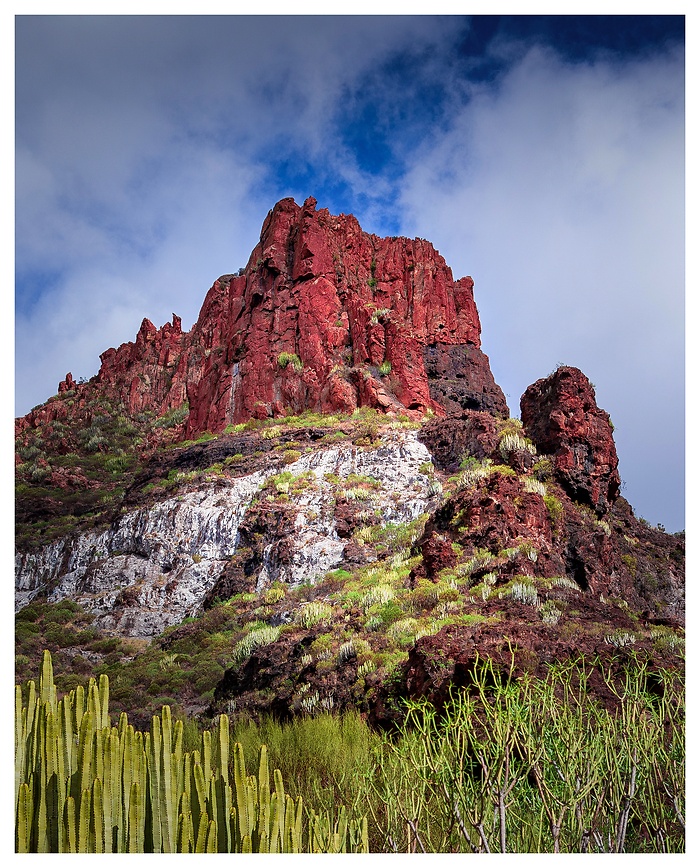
(84,786)
(503,469)
(534,485)
(263,635)
(173,417)
(315,612)
(322,757)
(339,575)
(630,562)
(473,471)
(535,766)
(521,765)
(285,359)
(543,470)
(555,508)
(392,538)
(525,593)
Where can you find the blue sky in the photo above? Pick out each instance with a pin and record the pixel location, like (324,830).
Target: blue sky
(542,155)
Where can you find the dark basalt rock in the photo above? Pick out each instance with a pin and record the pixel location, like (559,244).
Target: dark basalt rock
(460,378)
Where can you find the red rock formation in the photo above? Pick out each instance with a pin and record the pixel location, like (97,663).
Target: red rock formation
(324,317)
(561,417)
(330,318)
(146,374)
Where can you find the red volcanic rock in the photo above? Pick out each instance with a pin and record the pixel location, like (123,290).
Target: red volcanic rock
(500,516)
(324,317)
(561,417)
(145,374)
(67,384)
(330,318)
(437,554)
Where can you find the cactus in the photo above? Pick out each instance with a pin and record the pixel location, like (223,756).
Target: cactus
(24,817)
(83,786)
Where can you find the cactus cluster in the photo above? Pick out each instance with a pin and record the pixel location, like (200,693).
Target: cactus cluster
(84,786)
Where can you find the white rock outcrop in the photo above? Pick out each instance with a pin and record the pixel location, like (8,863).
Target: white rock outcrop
(154,566)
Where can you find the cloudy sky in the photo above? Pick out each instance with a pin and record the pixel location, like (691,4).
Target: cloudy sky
(543,156)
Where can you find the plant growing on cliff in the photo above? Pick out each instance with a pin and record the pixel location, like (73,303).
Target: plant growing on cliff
(286,359)
(257,638)
(315,612)
(473,471)
(534,486)
(173,417)
(555,508)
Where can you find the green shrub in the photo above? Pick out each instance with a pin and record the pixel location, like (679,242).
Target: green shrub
(630,562)
(286,359)
(554,507)
(313,613)
(65,756)
(173,417)
(263,635)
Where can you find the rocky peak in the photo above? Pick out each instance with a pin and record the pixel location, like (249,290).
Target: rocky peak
(331,318)
(324,317)
(560,415)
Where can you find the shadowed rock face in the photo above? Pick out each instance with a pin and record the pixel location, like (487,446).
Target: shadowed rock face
(560,415)
(324,317)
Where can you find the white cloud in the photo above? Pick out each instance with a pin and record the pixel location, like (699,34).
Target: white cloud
(560,190)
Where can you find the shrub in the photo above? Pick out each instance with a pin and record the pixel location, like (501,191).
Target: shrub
(273,595)
(554,507)
(378,594)
(118,463)
(524,593)
(473,472)
(286,359)
(620,638)
(534,486)
(549,612)
(313,613)
(264,635)
(173,417)
(543,469)
(512,440)
(630,562)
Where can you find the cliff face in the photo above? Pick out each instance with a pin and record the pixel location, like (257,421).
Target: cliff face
(324,317)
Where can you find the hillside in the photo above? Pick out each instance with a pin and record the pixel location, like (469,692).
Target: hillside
(315,499)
